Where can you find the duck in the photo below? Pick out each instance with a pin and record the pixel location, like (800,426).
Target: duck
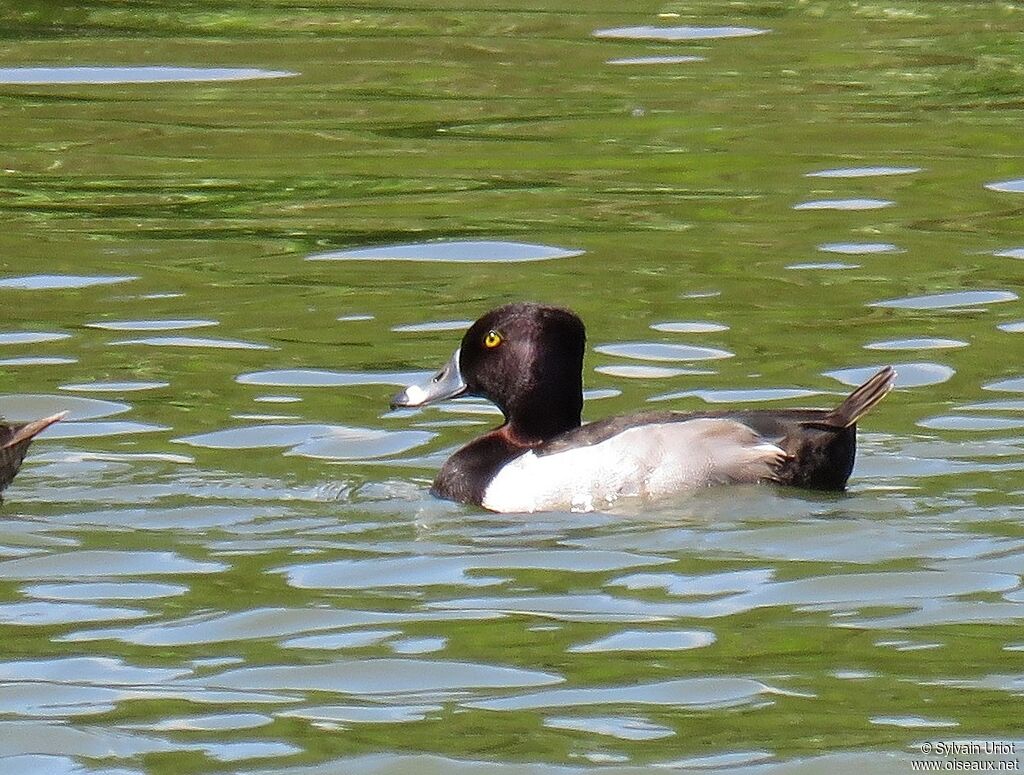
(527,359)
(15,439)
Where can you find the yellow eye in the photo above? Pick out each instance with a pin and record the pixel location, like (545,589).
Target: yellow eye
(492,340)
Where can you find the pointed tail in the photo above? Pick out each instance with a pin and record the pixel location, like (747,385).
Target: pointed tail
(861,400)
(14,441)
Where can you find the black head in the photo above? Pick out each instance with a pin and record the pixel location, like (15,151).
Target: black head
(526,358)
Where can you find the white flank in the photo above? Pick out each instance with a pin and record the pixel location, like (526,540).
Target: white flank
(646,461)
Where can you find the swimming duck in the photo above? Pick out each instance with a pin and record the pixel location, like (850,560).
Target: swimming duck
(527,359)
(14,442)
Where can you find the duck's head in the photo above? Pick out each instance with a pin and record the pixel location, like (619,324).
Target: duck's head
(526,358)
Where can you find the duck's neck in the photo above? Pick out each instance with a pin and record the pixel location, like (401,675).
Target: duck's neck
(544,415)
(553,406)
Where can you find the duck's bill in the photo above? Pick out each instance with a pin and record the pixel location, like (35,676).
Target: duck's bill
(447,383)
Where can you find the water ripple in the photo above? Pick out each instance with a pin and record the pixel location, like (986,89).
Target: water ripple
(950,300)
(114,387)
(194,341)
(738,396)
(327,378)
(655,60)
(83,430)
(437,325)
(912,722)
(418,570)
(862,172)
(824,265)
(644,371)
(454,251)
(100,590)
(689,327)
(677,33)
(647,640)
(970,423)
(335,442)
(102,564)
(908,375)
(51,282)
(37,76)
(38,360)
(41,614)
(705,693)
(21,407)
(922,343)
(844,204)
(362,714)
(1013,385)
(247,625)
(1007,186)
(858,248)
(150,325)
(658,351)
(372,677)
(622,728)
(31,337)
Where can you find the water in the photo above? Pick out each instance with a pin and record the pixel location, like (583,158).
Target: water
(226,558)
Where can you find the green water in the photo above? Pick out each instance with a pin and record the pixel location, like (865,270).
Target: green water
(236,566)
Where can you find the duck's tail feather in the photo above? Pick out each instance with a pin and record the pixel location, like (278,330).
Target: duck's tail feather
(861,400)
(14,441)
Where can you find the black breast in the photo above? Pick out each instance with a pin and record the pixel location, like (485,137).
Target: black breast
(466,474)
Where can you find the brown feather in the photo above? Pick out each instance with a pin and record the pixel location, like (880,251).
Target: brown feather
(14,442)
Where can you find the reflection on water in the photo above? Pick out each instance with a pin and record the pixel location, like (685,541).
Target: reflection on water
(677,33)
(34,360)
(949,300)
(657,351)
(921,343)
(689,327)
(657,640)
(23,407)
(194,341)
(151,325)
(227,558)
(844,204)
(115,75)
(863,172)
(1009,186)
(50,282)
(325,441)
(30,337)
(738,396)
(826,265)
(114,387)
(457,252)
(324,378)
(858,248)
(644,371)
(440,325)
(907,374)
(673,60)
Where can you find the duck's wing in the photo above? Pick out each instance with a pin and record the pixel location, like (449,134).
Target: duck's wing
(812,448)
(14,442)
(649,456)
